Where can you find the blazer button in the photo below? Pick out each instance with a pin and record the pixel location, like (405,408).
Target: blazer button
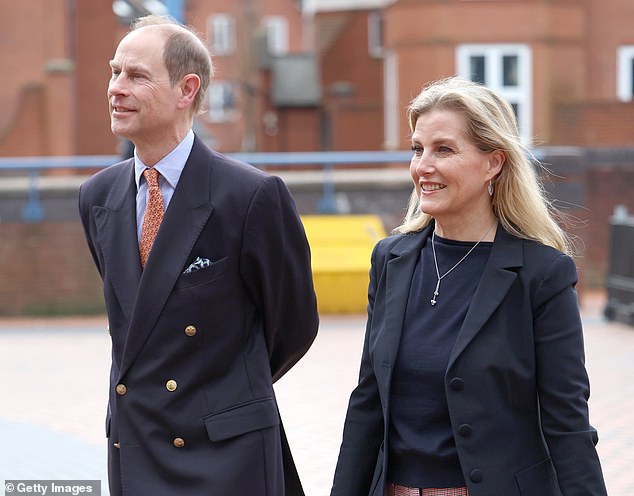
(117,445)
(476,475)
(171,385)
(464,430)
(121,389)
(190,330)
(179,442)
(456,383)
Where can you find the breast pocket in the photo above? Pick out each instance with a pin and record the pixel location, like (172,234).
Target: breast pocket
(203,276)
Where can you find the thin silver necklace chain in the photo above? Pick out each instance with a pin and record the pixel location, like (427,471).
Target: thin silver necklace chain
(433,300)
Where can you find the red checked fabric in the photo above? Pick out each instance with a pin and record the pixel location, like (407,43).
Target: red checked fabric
(153,214)
(395,490)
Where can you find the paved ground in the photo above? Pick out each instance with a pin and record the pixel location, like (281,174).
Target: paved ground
(55,379)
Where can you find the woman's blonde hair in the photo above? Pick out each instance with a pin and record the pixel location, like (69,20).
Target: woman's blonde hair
(519,201)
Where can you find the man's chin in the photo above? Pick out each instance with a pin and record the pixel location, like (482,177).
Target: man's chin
(119,131)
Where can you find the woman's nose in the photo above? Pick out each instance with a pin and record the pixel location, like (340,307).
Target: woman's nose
(423,165)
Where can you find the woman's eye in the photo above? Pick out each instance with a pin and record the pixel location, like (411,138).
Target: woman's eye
(417,149)
(444,149)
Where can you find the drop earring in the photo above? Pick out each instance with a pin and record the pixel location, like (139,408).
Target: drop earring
(490,188)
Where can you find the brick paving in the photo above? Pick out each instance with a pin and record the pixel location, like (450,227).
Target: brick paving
(55,379)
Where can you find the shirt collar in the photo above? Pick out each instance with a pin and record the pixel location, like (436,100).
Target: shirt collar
(171,165)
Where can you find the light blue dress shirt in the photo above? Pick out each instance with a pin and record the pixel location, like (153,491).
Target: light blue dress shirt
(170,168)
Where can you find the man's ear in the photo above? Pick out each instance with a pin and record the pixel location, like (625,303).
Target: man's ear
(189,86)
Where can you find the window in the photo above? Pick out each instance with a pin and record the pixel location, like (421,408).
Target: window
(276,35)
(375,34)
(625,74)
(222,101)
(221,33)
(505,69)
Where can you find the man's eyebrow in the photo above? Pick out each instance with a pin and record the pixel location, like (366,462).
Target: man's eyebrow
(137,68)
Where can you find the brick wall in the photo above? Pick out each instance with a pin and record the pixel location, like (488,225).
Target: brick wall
(606,187)
(46,269)
(600,123)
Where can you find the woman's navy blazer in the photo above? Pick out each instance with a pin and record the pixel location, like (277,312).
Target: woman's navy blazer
(516,383)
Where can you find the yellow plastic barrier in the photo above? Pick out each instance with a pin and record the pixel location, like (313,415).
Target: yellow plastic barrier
(341,247)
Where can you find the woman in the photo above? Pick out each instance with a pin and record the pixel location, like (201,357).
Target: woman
(472,377)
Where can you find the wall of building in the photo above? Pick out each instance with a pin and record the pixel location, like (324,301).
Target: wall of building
(45,269)
(245,131)
(55,73)
(595,123)
(609,26)
(353,84)
(97,35)
(574,51)
(36,54)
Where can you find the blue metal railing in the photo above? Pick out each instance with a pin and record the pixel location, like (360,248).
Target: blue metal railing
(34,212)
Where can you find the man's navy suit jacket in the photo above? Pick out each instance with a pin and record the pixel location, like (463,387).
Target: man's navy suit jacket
(222,334)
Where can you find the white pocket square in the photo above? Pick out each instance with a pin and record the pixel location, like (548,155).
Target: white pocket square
(199,263)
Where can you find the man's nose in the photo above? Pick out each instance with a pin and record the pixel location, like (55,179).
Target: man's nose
(117,85)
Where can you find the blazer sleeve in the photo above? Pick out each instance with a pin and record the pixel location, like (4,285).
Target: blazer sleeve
(276,268)
(363,431)
(563,386)
(87,224)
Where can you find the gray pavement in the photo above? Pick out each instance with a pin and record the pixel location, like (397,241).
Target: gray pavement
(55,371)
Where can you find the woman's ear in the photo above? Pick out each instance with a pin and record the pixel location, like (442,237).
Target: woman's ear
(496,161)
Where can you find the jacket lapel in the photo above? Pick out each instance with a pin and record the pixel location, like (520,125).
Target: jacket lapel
(116,225)
(399,273)
(497,278)
(186,216)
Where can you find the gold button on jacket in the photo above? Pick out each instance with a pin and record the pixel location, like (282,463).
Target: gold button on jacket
(121,389)
(190,330)
(179,442)
(171,385)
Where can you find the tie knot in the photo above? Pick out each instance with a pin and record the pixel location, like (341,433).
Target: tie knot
(151,176)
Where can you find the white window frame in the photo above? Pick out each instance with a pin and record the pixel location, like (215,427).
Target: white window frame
(276,34)
(375,34)
(625,74)
(221,34)
(217,96)
(520,95)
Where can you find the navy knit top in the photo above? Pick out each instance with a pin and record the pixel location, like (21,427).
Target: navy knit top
(422,450)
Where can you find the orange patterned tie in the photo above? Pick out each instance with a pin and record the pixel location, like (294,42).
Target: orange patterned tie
(153,214)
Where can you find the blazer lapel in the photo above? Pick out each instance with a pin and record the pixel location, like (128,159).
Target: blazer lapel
(496,280)
(185,218)
(116,224)
(399,273)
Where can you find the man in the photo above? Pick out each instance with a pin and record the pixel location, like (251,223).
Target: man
(205,311)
